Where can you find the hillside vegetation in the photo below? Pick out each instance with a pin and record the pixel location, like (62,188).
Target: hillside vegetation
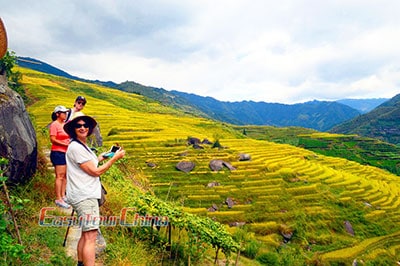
(292,203)
(381,123)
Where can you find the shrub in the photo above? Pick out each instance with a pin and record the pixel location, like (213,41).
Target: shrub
(216,144)
(113,131)
(251,249)
(269,258)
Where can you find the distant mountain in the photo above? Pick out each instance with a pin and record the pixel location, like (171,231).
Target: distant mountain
(42,67)
(161,95)
(319,115)
(363,105)
(38,65)
(382,123)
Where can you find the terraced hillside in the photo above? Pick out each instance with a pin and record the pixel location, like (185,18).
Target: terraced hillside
(356,148)
(293,200)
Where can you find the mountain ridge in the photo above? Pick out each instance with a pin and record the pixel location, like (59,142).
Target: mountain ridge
(380,123)
(319,115)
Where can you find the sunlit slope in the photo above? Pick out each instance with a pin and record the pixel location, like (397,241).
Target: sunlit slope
(126,117)
(281,189)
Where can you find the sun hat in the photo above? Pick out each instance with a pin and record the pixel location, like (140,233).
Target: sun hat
(60,108)
(3,39)
(80,98)
(69,127)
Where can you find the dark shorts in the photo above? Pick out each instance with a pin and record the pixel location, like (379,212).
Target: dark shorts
(57,158)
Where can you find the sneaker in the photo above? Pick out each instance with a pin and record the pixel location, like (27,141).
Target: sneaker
(65,199)
(62,204)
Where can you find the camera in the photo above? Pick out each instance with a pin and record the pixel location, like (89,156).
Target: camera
(111,152)
(114,148)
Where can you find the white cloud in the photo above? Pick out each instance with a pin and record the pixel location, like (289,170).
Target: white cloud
(232,50)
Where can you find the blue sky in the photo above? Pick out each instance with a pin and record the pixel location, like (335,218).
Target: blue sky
(232,50)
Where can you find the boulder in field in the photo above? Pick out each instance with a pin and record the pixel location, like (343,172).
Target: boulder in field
(185,166)
(217,165)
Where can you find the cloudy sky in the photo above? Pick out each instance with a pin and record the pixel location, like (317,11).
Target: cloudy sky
(232,50)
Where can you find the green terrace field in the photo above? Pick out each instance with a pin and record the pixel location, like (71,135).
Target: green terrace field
(352,147)
(281,190)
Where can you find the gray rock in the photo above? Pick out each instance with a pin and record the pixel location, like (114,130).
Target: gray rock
(236,224)
(217,165)
(244,157)
(229,201)
(193,141)
(213,184)
(213,208)
(349,228)
(17,136)
(206,141)
(152,165)
(197,147)
(229,166)
(96,140)
(185,166)
(287,236)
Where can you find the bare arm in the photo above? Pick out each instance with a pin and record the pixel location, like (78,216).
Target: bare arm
(91,169)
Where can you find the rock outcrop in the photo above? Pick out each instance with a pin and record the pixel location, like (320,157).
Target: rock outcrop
(217,165)
(17,136)
(185,166)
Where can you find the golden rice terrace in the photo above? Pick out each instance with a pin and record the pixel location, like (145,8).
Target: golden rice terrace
(282,190)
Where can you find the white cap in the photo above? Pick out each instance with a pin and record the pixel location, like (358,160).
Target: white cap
(60,108)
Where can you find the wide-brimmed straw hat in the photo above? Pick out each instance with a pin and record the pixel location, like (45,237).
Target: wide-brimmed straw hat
(69,127)
(3,39)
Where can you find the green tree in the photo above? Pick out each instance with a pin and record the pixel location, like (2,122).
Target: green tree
(7,64)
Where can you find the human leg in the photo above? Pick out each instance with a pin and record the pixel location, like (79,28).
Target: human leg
(88,213)
(60,168)
(89,247)
(61,181)
(60,185)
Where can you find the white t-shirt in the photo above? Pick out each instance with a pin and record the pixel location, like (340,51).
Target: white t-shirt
(80,185)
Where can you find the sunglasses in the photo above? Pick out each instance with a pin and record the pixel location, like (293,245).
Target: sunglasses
(83,103)
(81,125)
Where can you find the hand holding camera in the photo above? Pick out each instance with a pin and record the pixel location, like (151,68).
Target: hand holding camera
(111,152)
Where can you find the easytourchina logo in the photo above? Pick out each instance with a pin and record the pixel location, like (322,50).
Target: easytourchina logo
(128,217)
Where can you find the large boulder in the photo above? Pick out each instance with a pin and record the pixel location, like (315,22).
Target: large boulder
(96,140)
(17,136)
(217,165)
(185,166)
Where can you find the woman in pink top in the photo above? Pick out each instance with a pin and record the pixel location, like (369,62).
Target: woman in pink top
(59,144)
